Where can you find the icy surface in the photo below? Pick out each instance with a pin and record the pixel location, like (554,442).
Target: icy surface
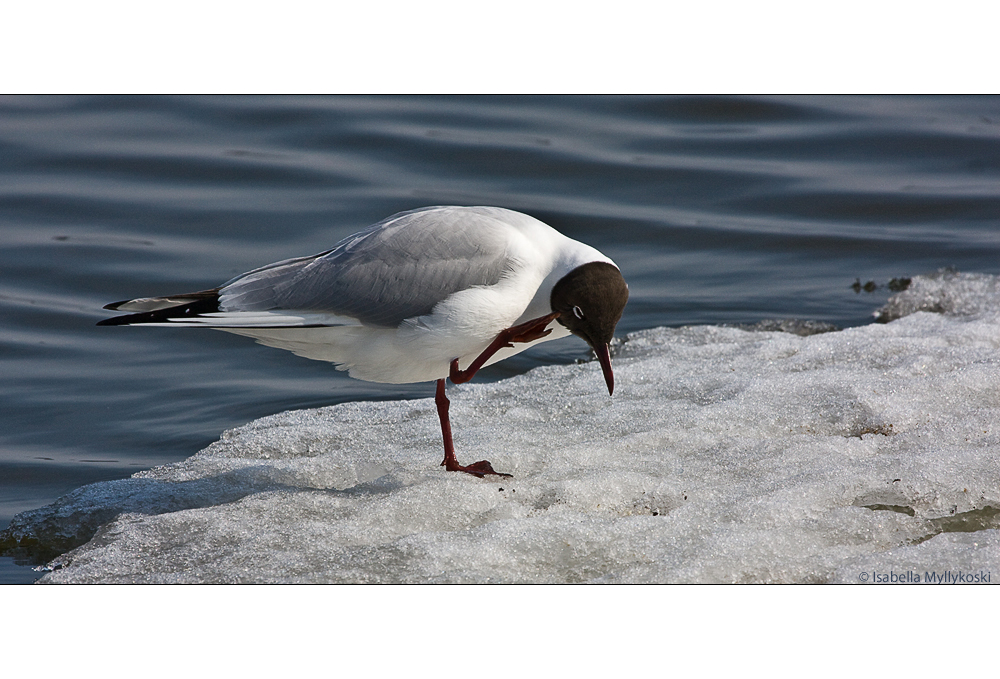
(724,456)
(945,292)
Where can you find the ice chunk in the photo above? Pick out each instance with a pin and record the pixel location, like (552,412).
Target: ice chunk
(944,292)
(724,456)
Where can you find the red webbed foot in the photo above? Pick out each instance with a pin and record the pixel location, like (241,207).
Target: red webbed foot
(480,469)
(530,331)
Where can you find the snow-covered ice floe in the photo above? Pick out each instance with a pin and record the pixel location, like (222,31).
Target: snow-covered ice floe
(871,454)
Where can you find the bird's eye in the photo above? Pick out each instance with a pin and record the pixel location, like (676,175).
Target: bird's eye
(578,312)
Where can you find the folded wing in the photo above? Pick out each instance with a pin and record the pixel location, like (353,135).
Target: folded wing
(397,269)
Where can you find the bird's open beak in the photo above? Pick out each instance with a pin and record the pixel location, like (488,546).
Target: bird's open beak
(604,356)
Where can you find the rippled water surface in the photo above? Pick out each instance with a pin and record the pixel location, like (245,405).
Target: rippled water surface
(717,210)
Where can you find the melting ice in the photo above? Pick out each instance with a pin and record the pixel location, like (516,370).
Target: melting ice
(725,455)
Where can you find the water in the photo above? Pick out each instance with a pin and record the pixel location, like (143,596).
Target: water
(718,210)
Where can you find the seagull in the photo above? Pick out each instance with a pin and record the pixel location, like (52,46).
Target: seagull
(424,295)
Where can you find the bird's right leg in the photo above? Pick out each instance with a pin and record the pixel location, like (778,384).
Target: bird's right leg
(526,332)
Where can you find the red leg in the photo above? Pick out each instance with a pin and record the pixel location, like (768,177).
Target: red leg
(481,468)
(526,332)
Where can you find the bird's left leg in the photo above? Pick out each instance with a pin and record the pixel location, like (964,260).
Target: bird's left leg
(525,332)
(481,468)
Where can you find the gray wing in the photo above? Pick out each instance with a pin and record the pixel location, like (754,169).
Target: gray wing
(394,270)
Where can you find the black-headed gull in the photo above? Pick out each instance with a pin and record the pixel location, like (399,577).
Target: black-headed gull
(424,295)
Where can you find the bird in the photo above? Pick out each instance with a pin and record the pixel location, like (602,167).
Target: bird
(430,294)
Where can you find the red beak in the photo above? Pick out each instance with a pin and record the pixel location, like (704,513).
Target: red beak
(604,356)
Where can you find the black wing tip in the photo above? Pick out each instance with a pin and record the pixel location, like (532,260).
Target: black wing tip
(201,303)
(117,320)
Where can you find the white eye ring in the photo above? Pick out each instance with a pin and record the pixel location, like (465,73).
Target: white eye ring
(578,312)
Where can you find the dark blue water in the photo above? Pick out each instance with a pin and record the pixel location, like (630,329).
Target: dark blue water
(718,210)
